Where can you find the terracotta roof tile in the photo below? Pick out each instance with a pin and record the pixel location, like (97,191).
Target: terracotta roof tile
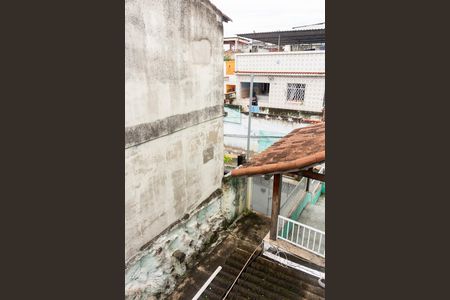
(298,149)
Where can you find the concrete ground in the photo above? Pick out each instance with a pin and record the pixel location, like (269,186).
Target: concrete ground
(314,215)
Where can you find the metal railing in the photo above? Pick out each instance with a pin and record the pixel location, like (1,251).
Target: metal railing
(301,235)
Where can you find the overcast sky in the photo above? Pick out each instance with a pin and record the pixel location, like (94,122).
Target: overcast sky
(269,15)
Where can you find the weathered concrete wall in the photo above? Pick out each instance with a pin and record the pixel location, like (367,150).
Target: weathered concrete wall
(173,113)
(173,58)
(168,177)
(154,272)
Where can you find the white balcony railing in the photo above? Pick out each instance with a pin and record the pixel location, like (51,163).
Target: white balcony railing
(301,235)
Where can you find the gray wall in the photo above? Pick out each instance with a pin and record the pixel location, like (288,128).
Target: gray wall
(173,113)
(156,270)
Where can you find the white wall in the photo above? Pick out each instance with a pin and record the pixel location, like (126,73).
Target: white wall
(267,67)
(173,113)
(298,61)
(314,92)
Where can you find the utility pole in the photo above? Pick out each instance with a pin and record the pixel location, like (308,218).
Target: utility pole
(249,115)
(250,110)
(249,180)
(279,39)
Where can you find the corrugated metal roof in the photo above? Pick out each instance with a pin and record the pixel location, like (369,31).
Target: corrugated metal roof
(288,37)
(310,27)
(262,279)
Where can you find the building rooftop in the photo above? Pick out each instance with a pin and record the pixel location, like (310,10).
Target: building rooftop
(300,149)
(310,26)
(263,278)
(225,18)
(236,38)
(288,37)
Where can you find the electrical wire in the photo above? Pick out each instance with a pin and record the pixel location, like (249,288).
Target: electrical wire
(242,270)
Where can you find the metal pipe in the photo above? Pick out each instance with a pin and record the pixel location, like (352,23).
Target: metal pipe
(249,116)
(205,285)
(279,37)
(249,180)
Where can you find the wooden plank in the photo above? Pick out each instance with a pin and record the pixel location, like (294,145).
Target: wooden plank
(312,175)
(276,201)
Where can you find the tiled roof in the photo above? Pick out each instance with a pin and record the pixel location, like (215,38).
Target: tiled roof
(262,278)
(301,148)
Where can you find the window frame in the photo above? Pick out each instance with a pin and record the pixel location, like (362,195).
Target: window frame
(295,88)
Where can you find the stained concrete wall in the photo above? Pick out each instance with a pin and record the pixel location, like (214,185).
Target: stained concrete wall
(173,113)
(155,271)
(173,58)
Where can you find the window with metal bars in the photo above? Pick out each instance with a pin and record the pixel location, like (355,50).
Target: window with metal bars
(296,92)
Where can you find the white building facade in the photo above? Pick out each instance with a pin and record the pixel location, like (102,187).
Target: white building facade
(292,81)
